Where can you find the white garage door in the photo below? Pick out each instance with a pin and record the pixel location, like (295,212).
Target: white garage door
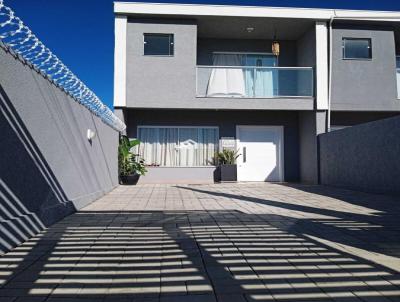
(261,153)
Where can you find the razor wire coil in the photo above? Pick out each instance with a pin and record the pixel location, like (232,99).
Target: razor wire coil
(15,35)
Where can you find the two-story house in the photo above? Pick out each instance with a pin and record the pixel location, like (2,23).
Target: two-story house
(192,79)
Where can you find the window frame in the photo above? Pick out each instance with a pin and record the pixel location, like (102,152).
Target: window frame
(356,39)
(184,127)
(171,44)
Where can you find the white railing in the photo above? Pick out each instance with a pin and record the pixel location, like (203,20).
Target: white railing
(255,82)
(19,39)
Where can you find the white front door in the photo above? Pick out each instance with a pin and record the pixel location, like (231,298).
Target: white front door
(261,153)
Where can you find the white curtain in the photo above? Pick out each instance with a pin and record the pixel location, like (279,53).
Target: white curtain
(264,83)
(185,147)
(159,146)
(260,82)
(226,81)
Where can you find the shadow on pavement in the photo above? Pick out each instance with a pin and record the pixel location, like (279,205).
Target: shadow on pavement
(187,256)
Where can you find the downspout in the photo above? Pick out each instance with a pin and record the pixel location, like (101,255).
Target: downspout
(330,72)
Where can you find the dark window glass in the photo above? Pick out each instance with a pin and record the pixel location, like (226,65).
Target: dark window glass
(158,44)
(357,48)
(398,62)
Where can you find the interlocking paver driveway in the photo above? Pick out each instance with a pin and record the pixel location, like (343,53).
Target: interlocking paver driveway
(223,242)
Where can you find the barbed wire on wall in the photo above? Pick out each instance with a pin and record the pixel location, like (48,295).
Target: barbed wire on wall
(15,35)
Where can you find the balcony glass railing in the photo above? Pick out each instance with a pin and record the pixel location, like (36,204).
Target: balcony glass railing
(254,82)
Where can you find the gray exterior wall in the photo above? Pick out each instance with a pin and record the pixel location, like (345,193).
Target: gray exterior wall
(310,125)
(227,122)
(306,52)
(170,82)
(363,157)
(365,85)
(351,118)
(206,47)
(178,175)
(48,168)
(160,81)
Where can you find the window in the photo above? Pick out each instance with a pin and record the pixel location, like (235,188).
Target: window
(158,44)
(178,146)
(357,48)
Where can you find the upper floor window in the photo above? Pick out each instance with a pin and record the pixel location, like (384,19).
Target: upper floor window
(158,44)
(357,48)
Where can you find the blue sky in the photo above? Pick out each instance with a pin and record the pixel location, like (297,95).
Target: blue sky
(81,32)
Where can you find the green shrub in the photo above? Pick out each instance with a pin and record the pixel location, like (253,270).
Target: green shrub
(128,162)
(226,157)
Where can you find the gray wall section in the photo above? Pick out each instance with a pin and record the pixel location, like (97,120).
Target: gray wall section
(306,49)
(48,168)
(365,85)
(176,175)
(160,81)
(306,56)
(351,118)
(170,82)
(206,47)
(364,157)
(310,125)
(227,122)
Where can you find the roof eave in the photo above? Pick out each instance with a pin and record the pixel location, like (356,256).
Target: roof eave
(138,8)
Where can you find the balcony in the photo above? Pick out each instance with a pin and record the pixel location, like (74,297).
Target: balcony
(254,82)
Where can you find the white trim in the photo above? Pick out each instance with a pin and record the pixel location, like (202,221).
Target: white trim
(281,146)
(250,11)
(120,61)
(321,70)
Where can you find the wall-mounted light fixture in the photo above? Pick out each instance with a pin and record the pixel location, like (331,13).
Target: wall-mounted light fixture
(90,134)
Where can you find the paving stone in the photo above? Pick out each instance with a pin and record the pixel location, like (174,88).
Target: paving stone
(223,242)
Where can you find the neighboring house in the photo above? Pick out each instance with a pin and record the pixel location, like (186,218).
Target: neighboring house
(190,78)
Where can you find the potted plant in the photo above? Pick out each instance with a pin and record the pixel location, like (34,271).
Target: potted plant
(130,166)
(226,160)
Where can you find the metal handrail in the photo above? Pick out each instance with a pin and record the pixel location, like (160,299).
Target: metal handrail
(255,67)
(17,37)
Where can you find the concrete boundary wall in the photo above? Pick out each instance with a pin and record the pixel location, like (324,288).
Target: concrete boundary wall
(48,167)
(365,157)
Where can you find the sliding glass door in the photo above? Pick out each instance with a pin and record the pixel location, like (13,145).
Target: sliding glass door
(260,81)
(243,75)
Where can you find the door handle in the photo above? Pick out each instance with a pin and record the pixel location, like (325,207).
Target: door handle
(244,154)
